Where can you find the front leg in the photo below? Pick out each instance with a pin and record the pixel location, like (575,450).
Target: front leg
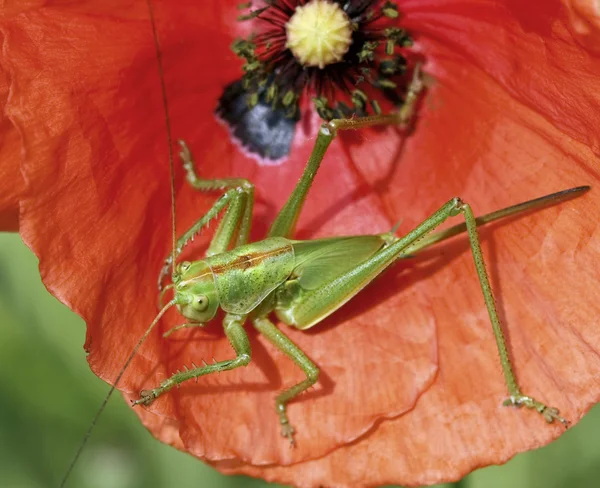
(239,201)
(230,225)
(234,330)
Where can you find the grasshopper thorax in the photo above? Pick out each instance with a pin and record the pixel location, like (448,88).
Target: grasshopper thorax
(195,291)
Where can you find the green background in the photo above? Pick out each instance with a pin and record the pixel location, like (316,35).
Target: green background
(48,397)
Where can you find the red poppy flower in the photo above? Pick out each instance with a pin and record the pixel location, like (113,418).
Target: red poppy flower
(411,387)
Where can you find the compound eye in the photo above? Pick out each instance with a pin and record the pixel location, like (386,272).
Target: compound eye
(200,303)
(184,266)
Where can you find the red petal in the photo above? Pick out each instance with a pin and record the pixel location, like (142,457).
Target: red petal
(503,122)
(11,182)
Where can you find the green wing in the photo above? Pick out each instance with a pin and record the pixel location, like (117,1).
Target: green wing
(322,260)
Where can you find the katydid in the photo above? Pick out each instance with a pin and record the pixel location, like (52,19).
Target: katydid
(303,282)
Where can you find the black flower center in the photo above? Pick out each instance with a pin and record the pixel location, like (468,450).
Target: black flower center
(349,56)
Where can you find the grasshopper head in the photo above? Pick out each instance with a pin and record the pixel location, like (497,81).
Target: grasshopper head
(195,291)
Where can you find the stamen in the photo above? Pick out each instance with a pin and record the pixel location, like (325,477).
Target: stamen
(319,33)
(349,56)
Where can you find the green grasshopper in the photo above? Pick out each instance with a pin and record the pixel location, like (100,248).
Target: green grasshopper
(303,282)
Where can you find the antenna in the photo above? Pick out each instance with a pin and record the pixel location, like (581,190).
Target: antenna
(113,388)
(174,243)
(163,90)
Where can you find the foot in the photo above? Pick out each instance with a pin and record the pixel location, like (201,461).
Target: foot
(287,430)
(415,87)
(164,272)
(188,162)
(550,414)
(147,397)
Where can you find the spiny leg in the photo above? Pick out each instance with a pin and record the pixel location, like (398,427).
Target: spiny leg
(285,222)
(240,184)
(516,398)
(239,200)
(232,199)
(319,303)
(291,350)
(234,330)
(555,198)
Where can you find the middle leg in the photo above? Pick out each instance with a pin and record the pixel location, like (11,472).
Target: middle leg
(234,227)
(291,350)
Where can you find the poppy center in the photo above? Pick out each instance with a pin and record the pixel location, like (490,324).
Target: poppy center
(345,55)
(319,33)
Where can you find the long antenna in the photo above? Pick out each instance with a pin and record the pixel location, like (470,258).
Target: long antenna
(113,388)
(174,243)
(163,90)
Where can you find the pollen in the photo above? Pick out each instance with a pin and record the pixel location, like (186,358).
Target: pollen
(319,33)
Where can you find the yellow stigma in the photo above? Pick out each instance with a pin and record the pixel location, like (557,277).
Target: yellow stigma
(319,33)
